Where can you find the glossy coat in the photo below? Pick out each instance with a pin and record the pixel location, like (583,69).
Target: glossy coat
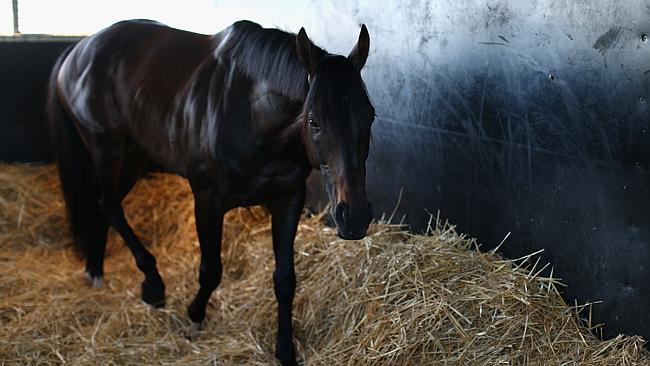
(244,115)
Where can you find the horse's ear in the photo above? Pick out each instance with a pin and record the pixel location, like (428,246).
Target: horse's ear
(359,53)
(304,49)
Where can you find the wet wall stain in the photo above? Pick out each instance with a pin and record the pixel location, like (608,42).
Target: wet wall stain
(609,39)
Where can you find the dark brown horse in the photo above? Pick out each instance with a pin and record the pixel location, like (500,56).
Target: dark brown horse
(244,115)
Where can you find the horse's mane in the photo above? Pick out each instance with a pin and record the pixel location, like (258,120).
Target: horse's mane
(270,55)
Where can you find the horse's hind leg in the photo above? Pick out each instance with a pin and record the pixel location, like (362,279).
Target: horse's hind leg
(110,166)
(96,232)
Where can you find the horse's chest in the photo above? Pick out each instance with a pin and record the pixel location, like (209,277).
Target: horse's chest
(257,185)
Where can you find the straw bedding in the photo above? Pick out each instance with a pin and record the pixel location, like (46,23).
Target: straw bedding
(390,299)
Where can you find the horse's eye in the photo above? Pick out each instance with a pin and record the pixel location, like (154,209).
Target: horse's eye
(313,123)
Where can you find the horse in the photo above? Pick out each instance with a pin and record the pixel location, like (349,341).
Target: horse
(244,115)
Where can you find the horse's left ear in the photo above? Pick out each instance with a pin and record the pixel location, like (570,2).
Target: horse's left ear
(359,53)
(304,49)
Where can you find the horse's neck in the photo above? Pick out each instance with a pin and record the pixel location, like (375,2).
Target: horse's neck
(236,117)
(273,115)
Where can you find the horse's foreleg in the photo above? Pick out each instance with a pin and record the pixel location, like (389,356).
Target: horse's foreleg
(108,167)
(209,222)
(285,216)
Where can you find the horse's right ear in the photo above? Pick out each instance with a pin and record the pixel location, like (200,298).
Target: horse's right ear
(304,48)
(359,53)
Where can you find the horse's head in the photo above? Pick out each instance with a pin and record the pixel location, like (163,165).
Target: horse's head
(336,130)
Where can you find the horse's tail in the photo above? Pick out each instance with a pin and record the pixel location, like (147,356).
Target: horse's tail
(74,165)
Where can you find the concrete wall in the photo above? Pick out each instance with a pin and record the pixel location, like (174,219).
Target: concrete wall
(529,117)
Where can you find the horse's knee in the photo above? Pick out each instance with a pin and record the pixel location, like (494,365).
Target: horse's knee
(285,283)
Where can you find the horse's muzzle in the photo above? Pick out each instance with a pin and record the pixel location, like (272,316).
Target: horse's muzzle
(352,224)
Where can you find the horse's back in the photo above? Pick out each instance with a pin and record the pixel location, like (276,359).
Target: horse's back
(127,70)
(182,99)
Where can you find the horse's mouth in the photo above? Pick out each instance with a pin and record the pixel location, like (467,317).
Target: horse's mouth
(351,236)
(351,227)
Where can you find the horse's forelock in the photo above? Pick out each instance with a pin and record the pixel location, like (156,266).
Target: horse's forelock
(337,92)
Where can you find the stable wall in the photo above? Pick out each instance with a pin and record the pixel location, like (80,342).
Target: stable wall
(25,64)
(528,118)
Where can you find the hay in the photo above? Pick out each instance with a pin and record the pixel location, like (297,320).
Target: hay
(392,298)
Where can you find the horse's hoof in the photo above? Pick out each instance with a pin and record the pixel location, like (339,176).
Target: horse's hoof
(193,331)
(153,292)
(94,281)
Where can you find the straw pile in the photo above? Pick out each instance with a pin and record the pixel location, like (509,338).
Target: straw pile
(390,299)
